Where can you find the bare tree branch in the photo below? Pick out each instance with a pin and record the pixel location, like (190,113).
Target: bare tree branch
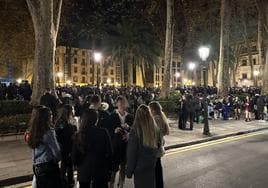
(57,4)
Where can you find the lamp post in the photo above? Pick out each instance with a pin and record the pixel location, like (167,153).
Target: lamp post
(19,80)
(191,67)
(204,53)
(97,59)
(59,75)
(108,81)
(256,74)
(177,75)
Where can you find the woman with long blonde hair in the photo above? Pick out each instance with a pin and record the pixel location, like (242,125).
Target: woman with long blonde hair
(143,146)
(162,123)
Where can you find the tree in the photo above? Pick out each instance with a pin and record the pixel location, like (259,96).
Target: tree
(46,18)
(223,80)
(168,48)
(16,37)
(133,42)
(262,6)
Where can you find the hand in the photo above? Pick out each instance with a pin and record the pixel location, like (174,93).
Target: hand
(125,137)
(125,126)
(117,130)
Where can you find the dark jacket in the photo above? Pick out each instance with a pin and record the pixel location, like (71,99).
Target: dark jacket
(104,119)
(65,135)
(51,102)
(92,153)
(141,162)
(119,144)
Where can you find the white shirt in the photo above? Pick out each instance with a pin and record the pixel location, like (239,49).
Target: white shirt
(122,117)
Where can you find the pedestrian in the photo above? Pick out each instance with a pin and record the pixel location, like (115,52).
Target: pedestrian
(121,122)
(190,110)
(50,101)
(45,149)
(142,150)
(183,113)
(247,109)
(65,132)
(162,123)
(92,152)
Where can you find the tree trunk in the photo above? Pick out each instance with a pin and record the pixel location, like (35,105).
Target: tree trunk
(265,73)
(214,73)
(122,73)
(143,73)
(259,45)
(263,9)
(247,43)
(46,17)
(168,48)
(223,80)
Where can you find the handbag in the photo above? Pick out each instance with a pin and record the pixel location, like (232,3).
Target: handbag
(44,168)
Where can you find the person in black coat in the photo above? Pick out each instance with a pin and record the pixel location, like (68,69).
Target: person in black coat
(121,122)
(65,133)
(190,110)
(51,102)
(92,152)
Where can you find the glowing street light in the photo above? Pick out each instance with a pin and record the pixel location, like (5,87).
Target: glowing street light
(59,74)
(97,59)
(203,54)
(108,81)
(177,75)
(256,73)
(97,56)
(69,82)
(19,80)
(191,66)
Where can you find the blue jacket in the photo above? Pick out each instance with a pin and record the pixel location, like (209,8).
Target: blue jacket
(48,150)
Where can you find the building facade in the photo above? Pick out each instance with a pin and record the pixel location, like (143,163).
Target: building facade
(175,72)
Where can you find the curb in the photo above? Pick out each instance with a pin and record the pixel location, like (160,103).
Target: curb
(16,180)
(28,178)
(213,138)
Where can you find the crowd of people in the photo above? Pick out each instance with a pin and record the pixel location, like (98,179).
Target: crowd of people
(104,143)
(191,108)
(104,131)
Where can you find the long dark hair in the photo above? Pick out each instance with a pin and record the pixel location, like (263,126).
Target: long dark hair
(89,118)
(40,123)
(66,112)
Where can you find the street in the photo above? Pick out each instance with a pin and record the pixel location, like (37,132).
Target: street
(234,162)
(237,162)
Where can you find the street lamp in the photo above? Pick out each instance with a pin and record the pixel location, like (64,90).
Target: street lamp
(177,75)
(97,59)
(59,75)
(191,67)
(108,81)
(19,80)
(256,74)
(69,82)
(204,53)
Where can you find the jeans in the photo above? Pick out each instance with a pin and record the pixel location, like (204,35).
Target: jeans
(48,179)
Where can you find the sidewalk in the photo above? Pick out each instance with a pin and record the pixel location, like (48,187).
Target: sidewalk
(218,129)
(15,156)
